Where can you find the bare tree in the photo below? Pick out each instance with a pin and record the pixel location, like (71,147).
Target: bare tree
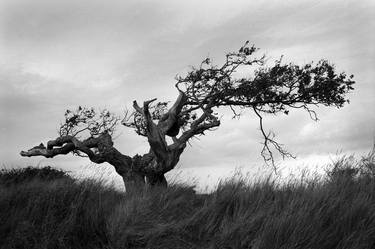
(203,92)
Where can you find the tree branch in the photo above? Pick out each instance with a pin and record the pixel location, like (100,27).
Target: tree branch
(146,111)
(65,145)
(205,122)
(266,152)
(137,107)
(169,122)
(48,153)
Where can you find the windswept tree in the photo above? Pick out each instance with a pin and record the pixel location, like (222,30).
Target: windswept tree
(243,81)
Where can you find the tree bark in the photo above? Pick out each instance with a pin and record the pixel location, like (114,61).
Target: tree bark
(156,180)
(134,182)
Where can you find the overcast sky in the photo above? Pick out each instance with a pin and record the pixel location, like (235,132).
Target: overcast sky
(56,55)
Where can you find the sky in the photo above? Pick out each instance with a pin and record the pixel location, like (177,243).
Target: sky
(57,55)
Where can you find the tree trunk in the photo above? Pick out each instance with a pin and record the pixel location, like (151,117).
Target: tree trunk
(142,171)
(156,180)
(134,182)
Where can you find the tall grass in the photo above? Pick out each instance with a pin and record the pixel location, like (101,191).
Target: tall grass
(336,212)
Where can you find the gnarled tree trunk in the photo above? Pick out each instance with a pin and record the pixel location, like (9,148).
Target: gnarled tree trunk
(136,171)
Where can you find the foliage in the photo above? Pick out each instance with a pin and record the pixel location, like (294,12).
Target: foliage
(88,120)
(271,89)
(264,89)
(298,214)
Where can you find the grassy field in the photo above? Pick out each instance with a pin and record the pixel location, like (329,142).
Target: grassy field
(45,208)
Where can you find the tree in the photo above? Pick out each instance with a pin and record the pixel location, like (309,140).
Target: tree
(203,91)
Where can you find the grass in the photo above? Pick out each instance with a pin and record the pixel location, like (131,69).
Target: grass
(52,210)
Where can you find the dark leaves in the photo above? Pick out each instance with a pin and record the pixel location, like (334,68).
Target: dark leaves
(87,122)
(270,89)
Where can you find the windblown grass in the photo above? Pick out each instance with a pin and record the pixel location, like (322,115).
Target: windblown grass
(336,212)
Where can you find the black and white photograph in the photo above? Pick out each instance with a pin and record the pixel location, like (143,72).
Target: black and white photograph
(171,124)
